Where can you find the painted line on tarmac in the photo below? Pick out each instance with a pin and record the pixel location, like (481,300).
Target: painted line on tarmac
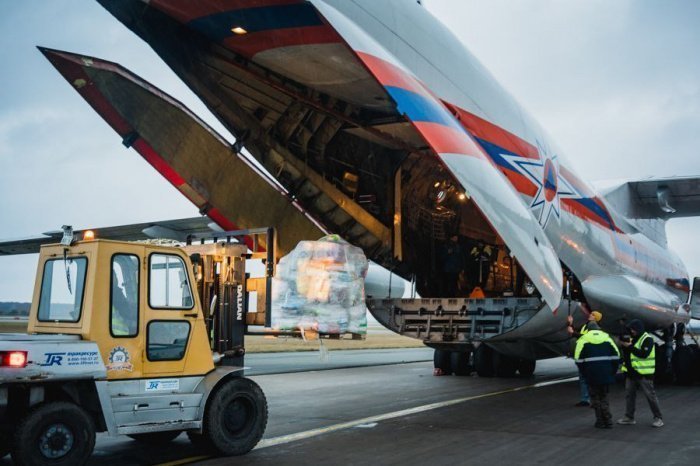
(404,412)
(192,459)
(283,439)
(252,372)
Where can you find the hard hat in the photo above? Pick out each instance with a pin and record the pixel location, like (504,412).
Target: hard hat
(597,315)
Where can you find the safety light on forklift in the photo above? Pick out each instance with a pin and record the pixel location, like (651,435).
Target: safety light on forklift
(13,359)
(89,235)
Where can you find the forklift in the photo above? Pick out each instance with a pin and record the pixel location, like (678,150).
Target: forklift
(138,339)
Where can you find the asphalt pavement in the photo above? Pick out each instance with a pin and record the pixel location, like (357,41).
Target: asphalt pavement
(399,413)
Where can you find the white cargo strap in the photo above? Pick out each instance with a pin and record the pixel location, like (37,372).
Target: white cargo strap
(599,358)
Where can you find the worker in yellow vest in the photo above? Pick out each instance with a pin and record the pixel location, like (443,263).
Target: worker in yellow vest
(639,354)
(598,358)
(596,317)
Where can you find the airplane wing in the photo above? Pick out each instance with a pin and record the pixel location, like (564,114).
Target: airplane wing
(666,197)
(168,229)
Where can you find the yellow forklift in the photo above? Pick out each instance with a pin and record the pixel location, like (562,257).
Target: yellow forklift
(137,339)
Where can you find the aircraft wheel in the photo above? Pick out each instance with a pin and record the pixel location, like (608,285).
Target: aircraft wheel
(156,438)
(56,433)
(683,362)
(460,363)
(236,417)
(504,366)
(696,361)
(526,367)
(442,362)
(483,361)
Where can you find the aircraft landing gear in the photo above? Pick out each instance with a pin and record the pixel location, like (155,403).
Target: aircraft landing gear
(483,360)
(448,362)
(676,360)
(489,363)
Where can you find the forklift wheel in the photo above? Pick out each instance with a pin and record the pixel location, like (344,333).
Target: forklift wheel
(56,433)
(156,438)
(236,417)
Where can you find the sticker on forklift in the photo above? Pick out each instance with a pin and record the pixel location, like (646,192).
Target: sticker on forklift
(157,385)
(71,358)
(119,360)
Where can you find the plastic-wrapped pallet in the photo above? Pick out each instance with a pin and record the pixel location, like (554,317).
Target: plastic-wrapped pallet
(320,286)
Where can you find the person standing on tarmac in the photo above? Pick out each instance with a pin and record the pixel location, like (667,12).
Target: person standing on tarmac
(639,354)
(598,358)
(585,400)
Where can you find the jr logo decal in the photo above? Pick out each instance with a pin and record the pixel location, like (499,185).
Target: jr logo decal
(119,360)
(53,359)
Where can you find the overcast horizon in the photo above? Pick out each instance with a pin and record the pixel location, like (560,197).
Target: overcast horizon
(615,84)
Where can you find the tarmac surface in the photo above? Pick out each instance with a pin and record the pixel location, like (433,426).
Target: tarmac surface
(401,414)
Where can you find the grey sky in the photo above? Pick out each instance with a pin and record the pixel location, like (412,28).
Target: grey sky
(616,84)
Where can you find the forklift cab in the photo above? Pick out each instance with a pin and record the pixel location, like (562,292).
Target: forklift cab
(136,301)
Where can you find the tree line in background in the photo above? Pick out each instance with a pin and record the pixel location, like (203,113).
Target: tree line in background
(13,309)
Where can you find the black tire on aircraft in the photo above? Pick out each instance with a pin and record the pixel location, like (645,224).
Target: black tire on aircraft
(696,361)
(57,433)
(504,366)
(156,438)
(460,363)
(483,361)
(235,417)
(442,360)
(683,362)
(526,367)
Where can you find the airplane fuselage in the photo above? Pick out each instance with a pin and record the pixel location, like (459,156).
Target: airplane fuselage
(379,125)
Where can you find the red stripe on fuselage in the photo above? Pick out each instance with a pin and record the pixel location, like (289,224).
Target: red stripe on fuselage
(251,44)
(447,140)
(486,130)
(392,76)
(579,210)
(188,10)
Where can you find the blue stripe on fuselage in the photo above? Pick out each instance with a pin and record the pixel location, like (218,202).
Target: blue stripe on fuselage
(496,153)
(421,108)
(218,26)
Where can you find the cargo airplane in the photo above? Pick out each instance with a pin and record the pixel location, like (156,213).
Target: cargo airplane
(371,120)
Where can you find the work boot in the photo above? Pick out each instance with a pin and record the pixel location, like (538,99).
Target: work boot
(627,421)
(658,422)
(583,403)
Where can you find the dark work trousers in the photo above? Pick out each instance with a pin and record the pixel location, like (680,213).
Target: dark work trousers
(647,387)
(599,401)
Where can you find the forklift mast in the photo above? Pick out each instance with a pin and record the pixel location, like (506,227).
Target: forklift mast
(225,286)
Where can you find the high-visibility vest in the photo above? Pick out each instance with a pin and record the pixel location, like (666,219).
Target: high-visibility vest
(643,366)
(595,337)
(584,329)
